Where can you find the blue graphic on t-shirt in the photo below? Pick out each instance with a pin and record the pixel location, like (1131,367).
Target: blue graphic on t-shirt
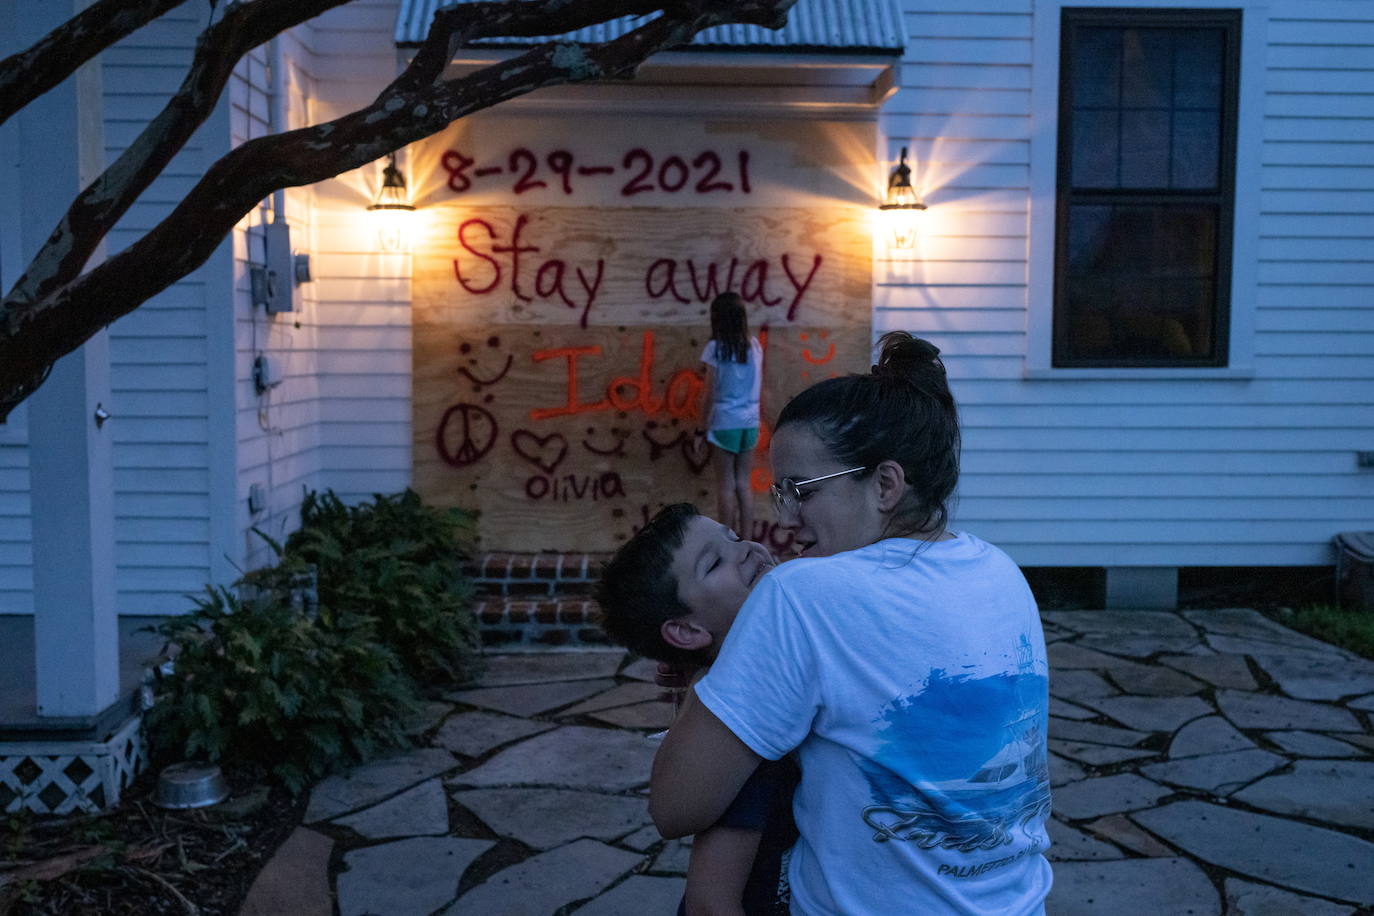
(962,763)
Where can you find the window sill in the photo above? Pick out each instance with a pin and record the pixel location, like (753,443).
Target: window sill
(1133,373)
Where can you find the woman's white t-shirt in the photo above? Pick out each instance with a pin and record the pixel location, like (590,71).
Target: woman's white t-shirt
(736,398)
(913,683)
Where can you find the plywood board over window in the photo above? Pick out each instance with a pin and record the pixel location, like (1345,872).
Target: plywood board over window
(563,270)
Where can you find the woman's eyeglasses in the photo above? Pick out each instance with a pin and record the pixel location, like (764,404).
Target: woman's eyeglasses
(787,492)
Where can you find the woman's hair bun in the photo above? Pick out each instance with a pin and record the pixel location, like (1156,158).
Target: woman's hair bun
(900,355)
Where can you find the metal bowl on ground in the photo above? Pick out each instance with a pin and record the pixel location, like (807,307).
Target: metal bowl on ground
(190,785)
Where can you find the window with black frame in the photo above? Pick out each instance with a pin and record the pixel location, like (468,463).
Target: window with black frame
(1147,134)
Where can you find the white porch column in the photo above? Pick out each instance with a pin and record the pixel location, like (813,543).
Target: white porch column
(76,637)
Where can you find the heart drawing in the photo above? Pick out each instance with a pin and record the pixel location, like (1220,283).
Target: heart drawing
(544,452)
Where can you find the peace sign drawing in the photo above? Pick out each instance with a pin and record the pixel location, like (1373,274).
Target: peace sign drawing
(466,433)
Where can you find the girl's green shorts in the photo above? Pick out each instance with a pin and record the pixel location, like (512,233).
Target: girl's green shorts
(734,440)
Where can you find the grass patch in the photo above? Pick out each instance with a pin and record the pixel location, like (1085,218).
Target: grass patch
(1352,630)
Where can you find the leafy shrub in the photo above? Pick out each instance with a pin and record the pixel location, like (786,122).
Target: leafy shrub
(258,684)
(400,562)
(274,679)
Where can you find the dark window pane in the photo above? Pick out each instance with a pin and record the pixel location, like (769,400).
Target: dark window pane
(1146,68)
(1094,149)
(1198,68)
(1144,149)
(1088,227)
(1196,150)
(1096,68)
(1141,282)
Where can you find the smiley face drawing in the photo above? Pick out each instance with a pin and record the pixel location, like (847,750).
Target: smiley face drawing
(479,382)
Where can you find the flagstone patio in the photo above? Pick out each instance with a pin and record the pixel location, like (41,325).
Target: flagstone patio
(1204,762)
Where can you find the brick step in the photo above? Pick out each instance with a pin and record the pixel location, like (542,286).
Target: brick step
(535,575)
(549,620)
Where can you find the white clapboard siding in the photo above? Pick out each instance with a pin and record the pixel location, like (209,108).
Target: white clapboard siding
(364,355)
(160,385)
(1257,468)
(277,433)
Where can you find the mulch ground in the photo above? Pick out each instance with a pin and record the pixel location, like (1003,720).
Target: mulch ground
(141,860)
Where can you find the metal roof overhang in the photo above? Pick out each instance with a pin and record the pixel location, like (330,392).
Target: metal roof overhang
(834,57)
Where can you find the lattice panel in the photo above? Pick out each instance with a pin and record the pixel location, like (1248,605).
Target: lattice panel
(58,777)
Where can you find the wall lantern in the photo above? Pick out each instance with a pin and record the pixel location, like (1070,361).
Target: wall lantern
(392,208)
(903,203)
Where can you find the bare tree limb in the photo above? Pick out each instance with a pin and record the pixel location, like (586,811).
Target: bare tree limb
(37,330)
(94,212)
(28,74)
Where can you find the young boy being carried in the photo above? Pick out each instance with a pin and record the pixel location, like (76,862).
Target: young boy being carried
(671,594)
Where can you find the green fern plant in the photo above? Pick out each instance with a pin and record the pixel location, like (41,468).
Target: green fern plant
(258,685)
(400,562)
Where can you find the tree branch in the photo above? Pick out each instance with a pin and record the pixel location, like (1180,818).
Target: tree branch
(41,329)
(28,74)
(94,211)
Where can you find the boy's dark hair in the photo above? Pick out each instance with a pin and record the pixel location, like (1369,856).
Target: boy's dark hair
(904,411)
(638,590)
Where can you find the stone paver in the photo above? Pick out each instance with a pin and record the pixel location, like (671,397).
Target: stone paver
(1154,681)
(1122,623)
(511,669)
(421,811)
(1078,685)
(642,839)
(1141,646)
(1364,741)
(1256,710)
(1070,845)
(673,858)
(295,880)
(636,896)
(427,716)
(370,783)
(1244,898)
(1308,677)
(1152,714)
(641,669)
(1209,735)
(415,876)
(572,757)
(1219,774)
(1339,791)
(622,695)
(1096,755)
(1122,831)
(1070,656)
(531,699)
(1063,709)
(1064,770)
(1297,856)
(1217,670)
(653,716)
(1107,795)
(1310,744)
(472,734)
(1132,887)
(542,884)
(1096,734)
(545,818)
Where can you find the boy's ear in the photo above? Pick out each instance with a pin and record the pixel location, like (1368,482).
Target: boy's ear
(891,480)
(684,633)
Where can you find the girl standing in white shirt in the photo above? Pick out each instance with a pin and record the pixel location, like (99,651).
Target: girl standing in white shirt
(734,363)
